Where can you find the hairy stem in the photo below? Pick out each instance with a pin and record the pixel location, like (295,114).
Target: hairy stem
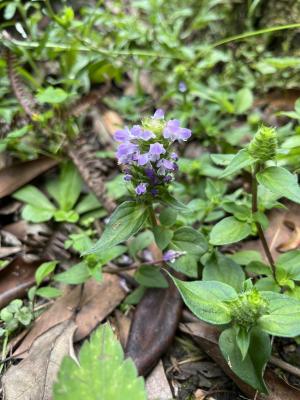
(258,225)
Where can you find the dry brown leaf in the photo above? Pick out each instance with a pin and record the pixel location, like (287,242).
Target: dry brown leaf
(157,385)
(99,299)
(96,302)
(278,233)
(15,279)
(15,176)
(112,121)
(122,323)
(33,378)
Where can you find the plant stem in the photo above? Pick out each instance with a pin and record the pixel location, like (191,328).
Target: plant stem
(152,216)
(258,225)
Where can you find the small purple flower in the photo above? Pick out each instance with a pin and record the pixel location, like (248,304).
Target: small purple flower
(165,165)
(154,192)
(127,177)
(168,178)
(143,159)
(146,135)
(174,156)
(171,255)
(155,151)
(159,114)
(125,152)
(141,189)
(122,135)
(173,131)
(182,87)
(136,131)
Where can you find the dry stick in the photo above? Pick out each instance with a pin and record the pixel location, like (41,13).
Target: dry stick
(258,225)
(285,366)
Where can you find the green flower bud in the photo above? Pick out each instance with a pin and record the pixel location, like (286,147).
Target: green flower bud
(264,144)
(154,125)
(248,307)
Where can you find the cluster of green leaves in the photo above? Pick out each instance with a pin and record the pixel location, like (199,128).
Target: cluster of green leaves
(65,191)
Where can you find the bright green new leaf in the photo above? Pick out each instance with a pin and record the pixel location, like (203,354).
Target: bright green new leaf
(206,299)
(51,95)
(34,197)
(280,181)
(77,274)
(283,317)
(36,214)
(290,262)
(244,257)
(125,222)
(251,368)
(241,160)
(48,292)
(243,337)
(243,100)
(102,372)
(44,270)
(229,230)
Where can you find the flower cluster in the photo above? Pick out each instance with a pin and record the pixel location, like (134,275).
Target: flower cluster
(146,153)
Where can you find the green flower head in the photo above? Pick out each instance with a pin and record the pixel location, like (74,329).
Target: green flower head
(263,146)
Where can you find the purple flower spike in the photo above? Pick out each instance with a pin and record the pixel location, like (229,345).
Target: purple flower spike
(165,165)
(155,151)
(185,134)
(125,152)
(141,189)
(174,156)
(159,114)
(136,131)
(146,135)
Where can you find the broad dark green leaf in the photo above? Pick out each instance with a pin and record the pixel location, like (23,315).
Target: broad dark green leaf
(280,181)
(251,368)
(102,372)
(44,270)
(48,292)
(77,274)
(150,276)
(290,262)
(283,318)
(222,269)
(229,230)
(241,160)
(206,299)
(140,242)
(162,236)
(244,257)
(125,222)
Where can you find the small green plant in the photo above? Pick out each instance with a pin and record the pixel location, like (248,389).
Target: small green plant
(100,373)
(251,316)
(65,191)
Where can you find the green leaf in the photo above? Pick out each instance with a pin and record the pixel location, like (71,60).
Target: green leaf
(34,197)
(88,203)
(187,239)
(78,273)
(110,254)
(223,269)
(67,188)
(67,216)
(241,160)
(290,262)
(283,318)
(48,292)
(125,222)
(44,270)
(35,214)
(251,368)
(135,296)
(244,257)
(168,217)
(171,202)
(243,340)
(280,181)
(102,372)
(259,268)
(140,242)
(243,100)
(267,284)
(51,95)
(229,230)
(206,299)
(162,236)
(150,276)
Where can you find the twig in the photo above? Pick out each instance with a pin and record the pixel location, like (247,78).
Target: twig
(285,366)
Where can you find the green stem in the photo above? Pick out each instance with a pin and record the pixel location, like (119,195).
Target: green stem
(152,216)
(258,225)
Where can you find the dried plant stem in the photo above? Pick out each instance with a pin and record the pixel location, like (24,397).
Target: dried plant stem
(258,225)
